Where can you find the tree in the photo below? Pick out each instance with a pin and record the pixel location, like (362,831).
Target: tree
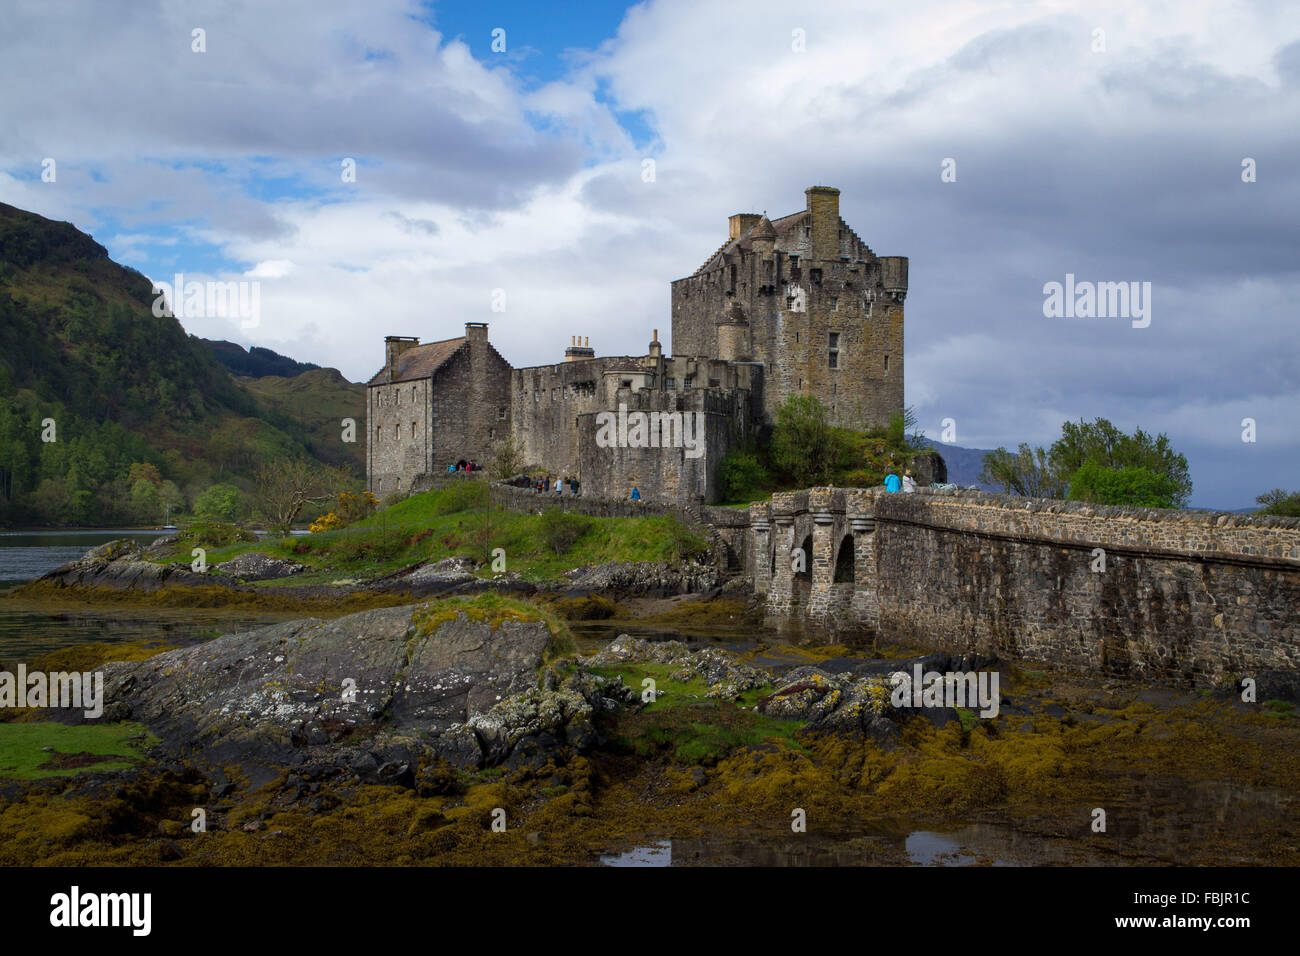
(286,485)
(1132,485)
(146,503)
(219,502)
(1026,472)
(1102,443)
(1285,504)
(804,445)
(507,460)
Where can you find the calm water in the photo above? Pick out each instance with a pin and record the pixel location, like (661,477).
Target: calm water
(26,555)
(28,630)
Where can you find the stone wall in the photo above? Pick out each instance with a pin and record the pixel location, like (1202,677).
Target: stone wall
(658,473)
(1183,596)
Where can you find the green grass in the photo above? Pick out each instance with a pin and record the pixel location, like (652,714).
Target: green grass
(448,522)
(23,757)
(691,728)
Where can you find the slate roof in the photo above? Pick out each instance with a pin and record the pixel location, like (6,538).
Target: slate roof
(764,228)
(420,361)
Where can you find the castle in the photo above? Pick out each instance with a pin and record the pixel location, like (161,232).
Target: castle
(793,306)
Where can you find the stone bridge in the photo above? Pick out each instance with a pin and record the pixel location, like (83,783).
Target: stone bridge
(1190,596)
(812,553)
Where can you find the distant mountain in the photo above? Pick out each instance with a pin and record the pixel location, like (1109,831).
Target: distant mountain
(964,464)
(100,398)
(256,362)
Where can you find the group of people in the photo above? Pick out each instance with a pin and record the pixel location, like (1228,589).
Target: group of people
(906,483)
(543,484)
(464,465)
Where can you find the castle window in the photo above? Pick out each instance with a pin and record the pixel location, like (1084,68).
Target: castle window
(834,358)
(670,382)
(835,303)
(835,340)
(733,278)
(537,396)
(686,382)
(625,383)
(492,433)
(501,413)
(815,275)
(714,383)
(397,432)
(886,363)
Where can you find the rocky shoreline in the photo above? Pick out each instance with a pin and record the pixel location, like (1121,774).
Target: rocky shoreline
(125,567)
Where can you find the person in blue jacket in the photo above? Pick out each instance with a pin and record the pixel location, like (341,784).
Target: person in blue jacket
(636,495)
(893,483)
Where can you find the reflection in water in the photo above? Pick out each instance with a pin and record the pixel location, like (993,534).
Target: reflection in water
(26,555)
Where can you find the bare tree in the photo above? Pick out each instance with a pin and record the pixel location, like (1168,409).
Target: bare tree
(287,485)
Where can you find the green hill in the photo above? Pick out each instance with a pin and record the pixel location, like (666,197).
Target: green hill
(319,400)
(86,363)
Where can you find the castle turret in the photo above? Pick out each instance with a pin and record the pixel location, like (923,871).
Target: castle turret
(824,205)
(733,335)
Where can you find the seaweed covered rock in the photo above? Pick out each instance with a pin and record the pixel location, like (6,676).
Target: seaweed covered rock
(727,676)
(258,566)
(358,693)
(120,565)
(646,578)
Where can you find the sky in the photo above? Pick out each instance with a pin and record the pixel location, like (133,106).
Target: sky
(554,177)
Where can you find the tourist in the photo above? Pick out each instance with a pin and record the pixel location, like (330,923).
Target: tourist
(892,483)
(559,486)
(636,495)
(909,483)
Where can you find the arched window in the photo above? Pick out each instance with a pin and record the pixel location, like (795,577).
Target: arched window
(844,561)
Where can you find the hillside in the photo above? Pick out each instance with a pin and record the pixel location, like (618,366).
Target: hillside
(964,464)
(86,366)
(256,362)
(320,400)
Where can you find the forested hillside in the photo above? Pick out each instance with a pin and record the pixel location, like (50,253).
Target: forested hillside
(109,414)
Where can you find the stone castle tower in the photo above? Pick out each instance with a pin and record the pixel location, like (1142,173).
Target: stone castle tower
(810,301)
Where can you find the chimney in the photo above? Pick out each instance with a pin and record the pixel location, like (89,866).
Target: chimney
(656,350)
(394,346)
(824,204)
(740,222)
(577,351)
(476,332)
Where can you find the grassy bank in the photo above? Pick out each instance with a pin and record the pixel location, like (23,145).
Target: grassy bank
(453,521)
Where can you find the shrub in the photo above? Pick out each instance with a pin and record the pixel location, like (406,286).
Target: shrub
(560,531)
(216,534)
(460,496)
(742,477)
(1134,486)
(326,522)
